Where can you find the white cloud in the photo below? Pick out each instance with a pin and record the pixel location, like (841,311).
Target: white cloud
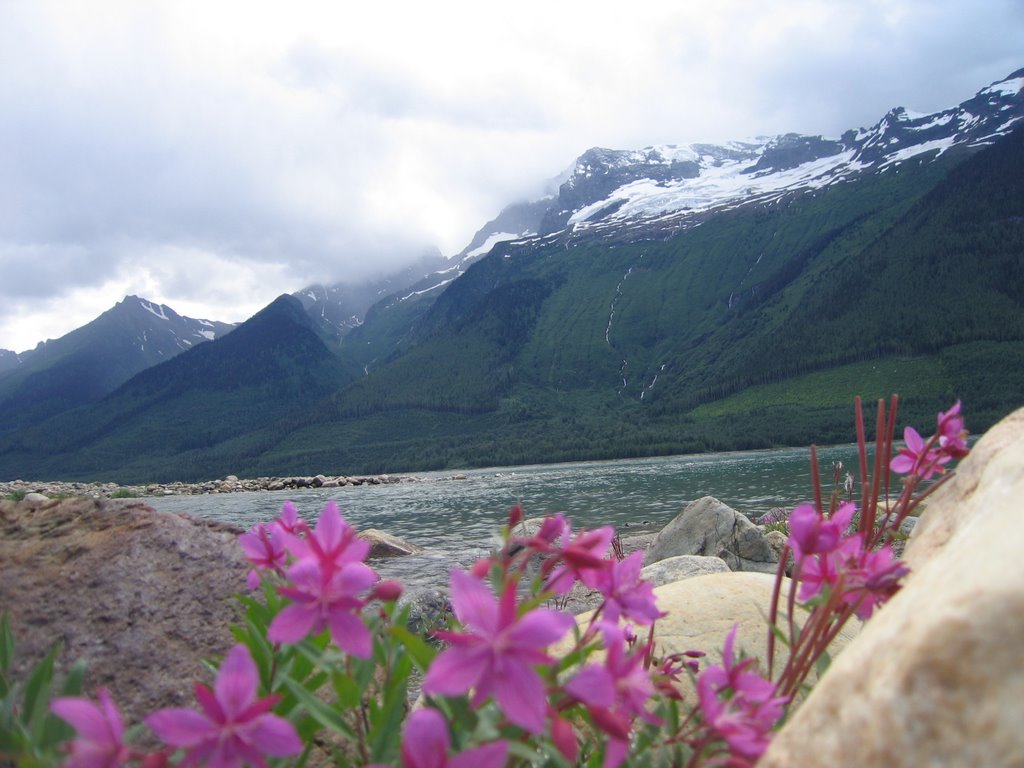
(273,146)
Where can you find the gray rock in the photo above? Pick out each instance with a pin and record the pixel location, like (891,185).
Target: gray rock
(682,567)
(428,609)
(35,498)
(709,527)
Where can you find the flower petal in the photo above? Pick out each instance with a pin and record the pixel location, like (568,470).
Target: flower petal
(455,671)
(181,727)
(492,755)
(474,603)
(330,527)
(425,740)
(521,696)
(540,627)
(275,736)
(593,685)
(349,633)
(237,682)
(294,623)
(84,716)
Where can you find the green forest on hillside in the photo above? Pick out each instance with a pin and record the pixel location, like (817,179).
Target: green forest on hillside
(754,329)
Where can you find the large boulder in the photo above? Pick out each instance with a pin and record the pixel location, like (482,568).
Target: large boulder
(935,677)
(701,611)
(141,596)
(709,527)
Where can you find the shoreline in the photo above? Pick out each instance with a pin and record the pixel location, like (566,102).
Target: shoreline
(16,489)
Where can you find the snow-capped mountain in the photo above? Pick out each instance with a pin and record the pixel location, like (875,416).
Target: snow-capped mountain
(656,191)
(90,362)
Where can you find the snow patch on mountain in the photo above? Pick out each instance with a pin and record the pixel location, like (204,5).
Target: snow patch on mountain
(491,241)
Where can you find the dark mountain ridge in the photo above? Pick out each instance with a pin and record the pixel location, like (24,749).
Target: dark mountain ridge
(663,317)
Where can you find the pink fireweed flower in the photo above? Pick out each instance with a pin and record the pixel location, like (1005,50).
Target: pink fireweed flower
(626,594)
(738,705)
(426,743)
(867,578)
(871,578)
(99,742)
(288,521)
(916,458)
(952,435)
(333,543)
(615,692)
(498,652)
(263,546)
(810,533)
(582,558)
(234,727)
(326,595)
(824,569)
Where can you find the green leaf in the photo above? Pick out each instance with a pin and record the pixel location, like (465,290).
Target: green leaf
(6,646)
(420,652)
(349,692)
(323,713)
(822,663)
(386,725)
(36,700)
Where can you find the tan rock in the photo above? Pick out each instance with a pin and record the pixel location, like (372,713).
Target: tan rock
(702,610)
(141,596)
(385,545)
(935,678)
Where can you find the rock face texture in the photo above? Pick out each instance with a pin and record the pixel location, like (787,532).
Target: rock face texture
(682,567)
(140,596)
(709,527)
(935,678)
(702,610)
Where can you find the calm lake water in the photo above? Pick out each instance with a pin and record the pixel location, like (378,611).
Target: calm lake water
(456,520)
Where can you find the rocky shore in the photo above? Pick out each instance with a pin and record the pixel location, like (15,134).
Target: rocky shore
(17,489)
(933,679)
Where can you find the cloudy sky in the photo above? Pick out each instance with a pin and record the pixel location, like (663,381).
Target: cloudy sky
(212,155)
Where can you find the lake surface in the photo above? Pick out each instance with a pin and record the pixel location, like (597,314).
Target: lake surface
(456,519)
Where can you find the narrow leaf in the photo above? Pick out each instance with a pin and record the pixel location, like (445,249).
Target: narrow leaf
(323,713)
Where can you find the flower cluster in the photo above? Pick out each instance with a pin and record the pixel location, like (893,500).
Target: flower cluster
(327,648)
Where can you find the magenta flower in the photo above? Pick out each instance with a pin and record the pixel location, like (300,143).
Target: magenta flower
(824,569)
(426,743)
(326,595)
(916,458)
(952,435)
(867,578)
(625,593)
(234,727)
(332,544)
(498,653)
(615,692)
(738,705)
(288,521)
(99,742)
(810,533)
(550,531)
(582,558)
(263,546)
(874,578)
